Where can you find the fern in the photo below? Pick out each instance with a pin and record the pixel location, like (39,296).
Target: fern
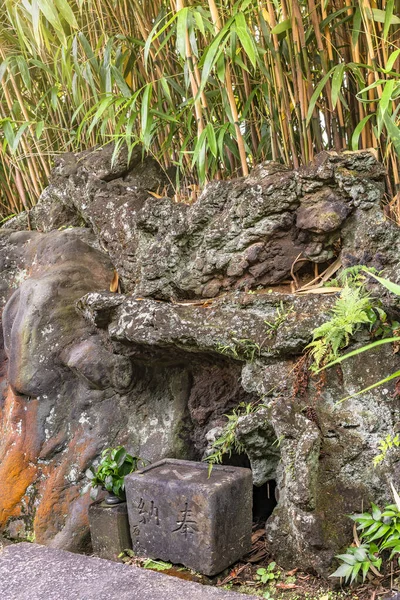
(352,310)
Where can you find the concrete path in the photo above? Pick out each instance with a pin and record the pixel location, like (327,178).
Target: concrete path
(33,572)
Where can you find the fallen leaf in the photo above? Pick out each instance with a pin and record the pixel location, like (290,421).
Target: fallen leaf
(287,586)
(114,282)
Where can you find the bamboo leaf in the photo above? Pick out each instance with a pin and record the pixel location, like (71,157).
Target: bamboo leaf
(244,37)
(281,27)
(389,285)
(357,132)
(373,386)
(67,13)
(337,81)
(388,17)
(211,138)
(393,132)
(317,94)
(379,16)
(181,28)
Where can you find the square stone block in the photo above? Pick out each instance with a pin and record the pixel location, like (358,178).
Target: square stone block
(179,514)
(109,529)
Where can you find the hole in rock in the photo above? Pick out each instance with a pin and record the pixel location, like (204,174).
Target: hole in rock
(264,501)
(264,496)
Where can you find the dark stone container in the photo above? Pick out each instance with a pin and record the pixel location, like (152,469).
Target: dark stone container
(178,514)
(109,529)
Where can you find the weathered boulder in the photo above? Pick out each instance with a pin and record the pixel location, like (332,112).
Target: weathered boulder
(196,331)
(239,234)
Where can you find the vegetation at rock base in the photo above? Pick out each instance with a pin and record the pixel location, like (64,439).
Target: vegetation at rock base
(379,534)
(209,87)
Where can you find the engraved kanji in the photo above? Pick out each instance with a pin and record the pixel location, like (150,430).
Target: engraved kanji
(147,513)
(187,525)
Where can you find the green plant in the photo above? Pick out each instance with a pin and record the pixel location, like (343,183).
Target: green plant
(268,574)
(353,309)
(227,442)
(281,316)
(110,474)
(385,445)
(394,288)
(357,560)
(379,531)
(240,349)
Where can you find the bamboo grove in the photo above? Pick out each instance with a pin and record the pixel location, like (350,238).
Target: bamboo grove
(211,87)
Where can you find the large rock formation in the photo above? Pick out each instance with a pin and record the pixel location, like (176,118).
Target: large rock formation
(195,331)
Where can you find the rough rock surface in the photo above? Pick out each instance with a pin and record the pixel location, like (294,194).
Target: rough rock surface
(239,234)
(157,366)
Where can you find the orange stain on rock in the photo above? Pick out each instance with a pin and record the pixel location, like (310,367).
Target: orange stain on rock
(19,447)
(58,497)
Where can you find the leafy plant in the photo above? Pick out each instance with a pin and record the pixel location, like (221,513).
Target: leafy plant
(394,288)
(110,474)
(282,314)
(357,560)
(227,442)
(385,445)
(352,310)
(268,574)
(240,349)
(379,532)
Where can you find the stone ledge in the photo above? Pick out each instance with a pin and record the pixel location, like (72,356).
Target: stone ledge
(34,572)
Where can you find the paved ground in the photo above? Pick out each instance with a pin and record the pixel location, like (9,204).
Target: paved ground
(33,572)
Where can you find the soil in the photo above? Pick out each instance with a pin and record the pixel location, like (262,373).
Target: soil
(286,585)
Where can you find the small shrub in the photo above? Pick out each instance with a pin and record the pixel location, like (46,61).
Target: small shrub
(110,474)
(379,533)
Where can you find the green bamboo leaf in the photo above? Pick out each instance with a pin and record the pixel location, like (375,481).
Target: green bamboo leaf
(379,16)
(337,81)
(102,107)
(356,27)
(393,132)
(211,138)
(24,71)
(67,13)
(181,28)
(357,132)
(391,60)
(155,34)
(373,386)
(388,17)
(245,38)
(317,94)
(281,27)
(384,102)
(199,22)
(145,124)
(39,129)
(48,10)
(121,83)
(389,285)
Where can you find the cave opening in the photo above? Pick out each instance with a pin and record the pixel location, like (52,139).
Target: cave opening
(265,497)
